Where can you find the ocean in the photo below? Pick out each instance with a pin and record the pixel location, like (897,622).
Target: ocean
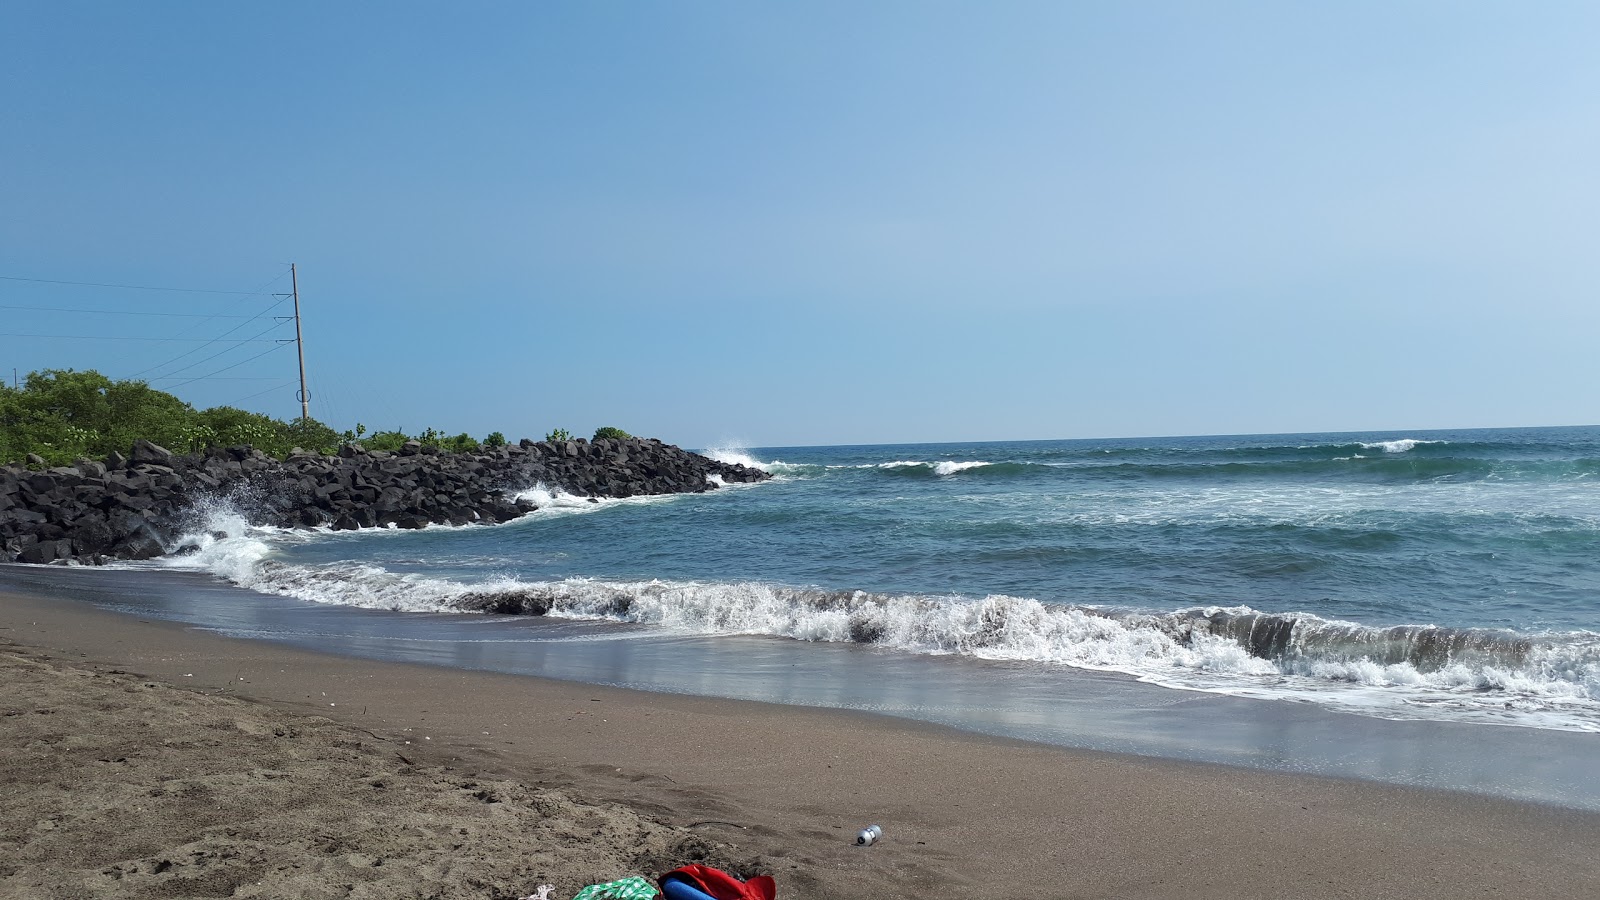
(1300,602)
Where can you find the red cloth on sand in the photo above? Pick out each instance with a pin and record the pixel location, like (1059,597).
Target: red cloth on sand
(723,886)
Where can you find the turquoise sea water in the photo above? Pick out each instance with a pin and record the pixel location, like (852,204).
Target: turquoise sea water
(1435,575)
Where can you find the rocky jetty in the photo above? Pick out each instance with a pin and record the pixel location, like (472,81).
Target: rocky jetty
(137,506)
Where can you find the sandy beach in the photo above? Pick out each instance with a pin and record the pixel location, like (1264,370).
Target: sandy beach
(147,759)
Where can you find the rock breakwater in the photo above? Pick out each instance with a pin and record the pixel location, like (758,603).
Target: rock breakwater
(136,506)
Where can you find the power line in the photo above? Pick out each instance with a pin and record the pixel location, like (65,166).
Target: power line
(213,340)
(120,312)
(281,384)
(225,378)
(113,337)
(203,317)
(226,368)
(229,345)
(139,287)
(279,342)
(224,343)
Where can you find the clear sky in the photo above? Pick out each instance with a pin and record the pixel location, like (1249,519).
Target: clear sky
(818,222)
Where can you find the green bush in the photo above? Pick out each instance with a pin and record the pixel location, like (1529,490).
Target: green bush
(386,440)
(616,434)
(309,434)
(63,415)
(558,434)
(225,426)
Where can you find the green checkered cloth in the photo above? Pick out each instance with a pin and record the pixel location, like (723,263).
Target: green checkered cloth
(634,887)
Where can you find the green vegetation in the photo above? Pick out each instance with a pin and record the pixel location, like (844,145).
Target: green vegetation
(558,434)
(616,434)
(386,440)
(63,415)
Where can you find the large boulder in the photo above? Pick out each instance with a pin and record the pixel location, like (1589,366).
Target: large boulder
(147,452)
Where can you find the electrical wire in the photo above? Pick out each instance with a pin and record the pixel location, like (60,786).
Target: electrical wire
(325,402)
(260,290)
(174,374)
(234,366)
(212,341)
(227,344)
(280,342)
(114,337)
(281,384)
(140,287)
(119,312)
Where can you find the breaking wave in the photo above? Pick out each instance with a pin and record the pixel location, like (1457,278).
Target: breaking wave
(1398,461)
(1357,464)
(1400,446)
(941,468)
(1544,672)
(739,456)
(1548,680)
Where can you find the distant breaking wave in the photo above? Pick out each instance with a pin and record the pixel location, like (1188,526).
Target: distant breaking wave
(1395,462)
(1400,446)
(942,468)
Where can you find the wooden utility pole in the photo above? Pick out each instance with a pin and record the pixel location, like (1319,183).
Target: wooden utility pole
(299,345)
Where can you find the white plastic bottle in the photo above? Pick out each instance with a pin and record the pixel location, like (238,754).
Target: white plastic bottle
(869,834)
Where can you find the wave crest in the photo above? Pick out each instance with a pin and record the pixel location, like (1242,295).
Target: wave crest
(1554,678)
(1402,445)
(1544,680)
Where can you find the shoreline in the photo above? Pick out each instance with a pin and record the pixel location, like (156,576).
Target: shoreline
(1051,706)
(990,816)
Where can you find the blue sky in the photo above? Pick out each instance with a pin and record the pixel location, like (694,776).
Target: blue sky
(819,223)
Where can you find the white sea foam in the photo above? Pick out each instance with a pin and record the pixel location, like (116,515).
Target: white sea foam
(553,500)
(556,502)
(741,456)
(1550,681)
(735,455)
(1556,685)
(950,468)
(1400,446)
(777,468)
(943,467)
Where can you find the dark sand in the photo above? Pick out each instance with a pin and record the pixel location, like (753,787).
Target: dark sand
(146,759)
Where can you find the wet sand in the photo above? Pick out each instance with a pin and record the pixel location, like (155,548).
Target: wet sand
(151,764)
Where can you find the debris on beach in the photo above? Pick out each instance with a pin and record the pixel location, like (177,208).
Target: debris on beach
(634,887)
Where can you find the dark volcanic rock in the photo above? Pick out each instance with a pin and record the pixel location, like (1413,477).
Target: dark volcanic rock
(135,506)
(146,452)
